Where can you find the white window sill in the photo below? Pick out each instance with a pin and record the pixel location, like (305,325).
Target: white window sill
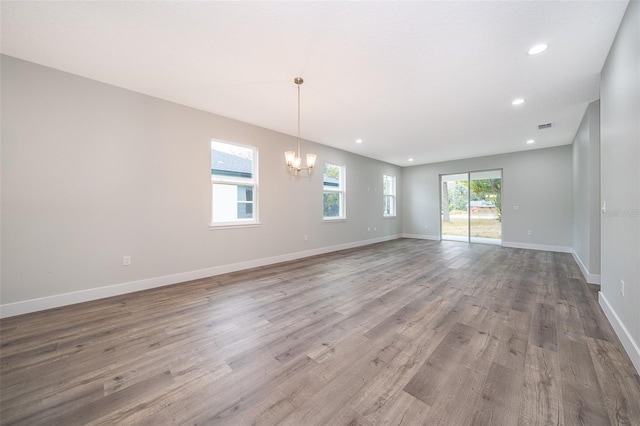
(390,217)
(233,225)
(331,219)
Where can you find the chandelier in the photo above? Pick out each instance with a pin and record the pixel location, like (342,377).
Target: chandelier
(293,159)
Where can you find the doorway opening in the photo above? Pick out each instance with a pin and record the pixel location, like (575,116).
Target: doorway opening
(471,207)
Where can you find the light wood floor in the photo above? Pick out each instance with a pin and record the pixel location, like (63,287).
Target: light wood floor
(405,332)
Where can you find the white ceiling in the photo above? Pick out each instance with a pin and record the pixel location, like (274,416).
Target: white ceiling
(430,80)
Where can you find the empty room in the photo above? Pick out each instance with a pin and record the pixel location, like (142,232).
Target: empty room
(320,213)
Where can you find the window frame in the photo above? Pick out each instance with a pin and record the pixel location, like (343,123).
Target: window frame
(340,190)
(392,195)
(237,182)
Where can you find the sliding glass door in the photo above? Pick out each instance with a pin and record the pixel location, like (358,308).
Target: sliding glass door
(485,207)
(454,190)
(471,207)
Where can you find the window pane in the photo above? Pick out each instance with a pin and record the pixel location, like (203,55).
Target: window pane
(388,185)
(331,176)
(387,205)
(234,183)
(231,160)
(245,210)
(227,204)
(224,202)
(334,186)
(389,195)
(332,204)
(245,193)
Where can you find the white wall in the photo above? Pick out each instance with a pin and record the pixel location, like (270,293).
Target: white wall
(538,181)
(586,194)
(93,172)
(620,182)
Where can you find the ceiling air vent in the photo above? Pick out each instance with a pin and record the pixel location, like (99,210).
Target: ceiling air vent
(544,126)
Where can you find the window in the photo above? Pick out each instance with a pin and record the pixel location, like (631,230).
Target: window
(389,194)
(334,186)
(234,182)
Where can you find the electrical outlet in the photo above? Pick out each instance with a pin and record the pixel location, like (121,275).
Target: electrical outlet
(622,288)
(306,238)
(368,229)
(529,232)
(375,229)
(516,207)
(126,260)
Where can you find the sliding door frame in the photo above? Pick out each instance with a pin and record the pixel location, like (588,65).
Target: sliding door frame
(468,173)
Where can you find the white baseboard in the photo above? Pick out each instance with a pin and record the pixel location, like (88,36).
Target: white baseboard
(58,300)
(590,278)
(560,249)
(422,237)
(630,345)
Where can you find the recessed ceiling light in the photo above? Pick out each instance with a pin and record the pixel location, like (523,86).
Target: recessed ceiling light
(410,159)
(538,48)
(518,101)
(530,141)
(358,140)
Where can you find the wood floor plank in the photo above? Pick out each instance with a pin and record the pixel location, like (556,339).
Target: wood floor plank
(457,403)
(544,333)
(583,405)
(568,321)
(336,394)
(457,348)
(526,293)
(388,382)
(541,402)
(402,332)
(404,410)
(580,386)
(115,401)
(511,339)
(500,398)
(577,365)
(617,382)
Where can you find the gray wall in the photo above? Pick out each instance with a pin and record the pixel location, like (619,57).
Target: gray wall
(586,194)
(93,172)
(538,181)
(620,184)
